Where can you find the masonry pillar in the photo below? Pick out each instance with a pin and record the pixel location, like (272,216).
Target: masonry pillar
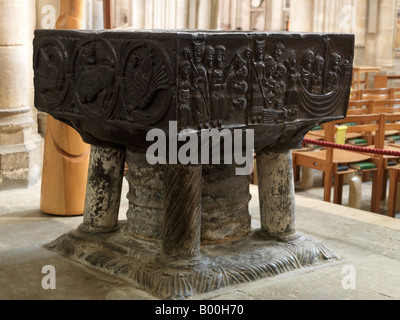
(276,193)
(301,15)
(385,37)
(20,144)
(103,191)
(182,8)
(138,14)
(182,212)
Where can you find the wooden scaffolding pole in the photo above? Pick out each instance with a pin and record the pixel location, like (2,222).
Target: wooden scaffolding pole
(66,156)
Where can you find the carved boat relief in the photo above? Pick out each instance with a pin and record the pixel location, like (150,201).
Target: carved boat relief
(258,84)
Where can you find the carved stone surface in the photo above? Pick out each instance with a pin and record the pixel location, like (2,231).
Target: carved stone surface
(219,266)
(225,215)
(113,86)
(188,227)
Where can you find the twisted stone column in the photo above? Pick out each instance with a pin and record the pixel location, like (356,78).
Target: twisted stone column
(182,211)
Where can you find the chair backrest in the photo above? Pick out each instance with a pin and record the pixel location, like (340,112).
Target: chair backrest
(395,93)
(385,106)
(366,124)
(385,80)
(356,107)
(355,95)
(391,121)
(376,93)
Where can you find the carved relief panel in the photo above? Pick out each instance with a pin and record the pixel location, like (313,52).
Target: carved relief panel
(266,81)
(130,81)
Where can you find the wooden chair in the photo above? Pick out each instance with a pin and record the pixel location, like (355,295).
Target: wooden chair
(382,80)
(367,124)
(391,123)
(358,80)
(357,107)
(375,94)
(329,160)
(394,177)
(355,94)
(360,107)
(385,106)
(378,98)
(395,93)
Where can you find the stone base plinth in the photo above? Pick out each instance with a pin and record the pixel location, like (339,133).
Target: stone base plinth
(21,165)
(141,262)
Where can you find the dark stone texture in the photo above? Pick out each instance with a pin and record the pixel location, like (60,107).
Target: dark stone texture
(219,266)
(114,86)
(188,228)
(103,191)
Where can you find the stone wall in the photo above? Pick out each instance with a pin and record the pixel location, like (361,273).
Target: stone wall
(372,21)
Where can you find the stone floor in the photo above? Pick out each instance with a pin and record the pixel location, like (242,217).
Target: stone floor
(368,244)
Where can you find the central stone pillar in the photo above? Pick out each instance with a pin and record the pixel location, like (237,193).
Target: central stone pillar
(224,201)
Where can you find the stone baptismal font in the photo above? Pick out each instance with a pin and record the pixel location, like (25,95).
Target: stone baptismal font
(147,98)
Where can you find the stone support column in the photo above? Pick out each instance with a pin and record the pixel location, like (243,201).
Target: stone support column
(192,14)
(385,37)
(182,9)
(159,14)
(20,145)
(148,18)
(103,191)
(138,14)
(146,196)
(274,15)
(301,15)
(225,204)
(182,211)
(204,14)
(170,14)
(276,193)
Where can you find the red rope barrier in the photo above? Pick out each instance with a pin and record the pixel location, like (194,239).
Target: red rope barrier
(352,148)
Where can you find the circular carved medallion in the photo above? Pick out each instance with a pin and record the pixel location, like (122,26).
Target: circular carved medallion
(95,65)
(50,64)
(146,91)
